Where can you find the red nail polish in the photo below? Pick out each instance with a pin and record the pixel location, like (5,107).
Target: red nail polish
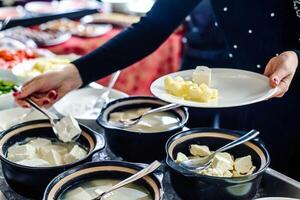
(45,102)
(52,94)
(55,97)
(16,93)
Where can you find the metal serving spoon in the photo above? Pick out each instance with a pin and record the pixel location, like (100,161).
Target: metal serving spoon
(130,122)
(153,166)
(4,23)
(104,99)
(53,121)
(199,164)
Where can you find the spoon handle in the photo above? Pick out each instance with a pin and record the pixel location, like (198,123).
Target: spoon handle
(249,136)
(163,108)
(153,166)
(34,105)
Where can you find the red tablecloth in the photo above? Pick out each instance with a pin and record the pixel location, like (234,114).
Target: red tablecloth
(136,79)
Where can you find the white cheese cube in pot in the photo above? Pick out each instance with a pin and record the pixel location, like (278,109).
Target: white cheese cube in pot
(251,171)
(78,194)
(34,162)
(60,149)
(226,156)
(69,158)
(67,129)
(78,152)
(18,153)
(199,150)
(243,165)
(181,157)
(228,174)
(201,75)
(221,163)
(51,156)
(40,142)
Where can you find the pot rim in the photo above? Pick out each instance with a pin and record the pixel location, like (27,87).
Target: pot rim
(104,123)
(156,176)
(97,138)
(257,142)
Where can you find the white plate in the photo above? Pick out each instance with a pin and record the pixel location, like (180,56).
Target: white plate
(276,198)
(12,12)
(21,69)
(15,116)
(77,102)
(236,88)
(7,100)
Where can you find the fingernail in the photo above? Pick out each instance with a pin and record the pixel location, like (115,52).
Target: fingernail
(26,106)
(45,102)
(55,97)
(16,93)
(276,81)
(52,94)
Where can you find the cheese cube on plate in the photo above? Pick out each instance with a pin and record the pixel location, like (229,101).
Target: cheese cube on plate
(201,75)
(243,165)
(199,150)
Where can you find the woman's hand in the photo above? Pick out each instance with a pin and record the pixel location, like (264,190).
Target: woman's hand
(281,70)
(48,88)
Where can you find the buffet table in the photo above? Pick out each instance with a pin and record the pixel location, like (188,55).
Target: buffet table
(273,183)
(137,78)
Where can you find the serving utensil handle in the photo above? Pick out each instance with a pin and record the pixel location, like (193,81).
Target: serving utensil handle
(34,105)
(153,166)
(248,136)
(163,108)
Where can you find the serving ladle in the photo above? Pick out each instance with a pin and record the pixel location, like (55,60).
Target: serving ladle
(53,121)
(153,166)
(130,122)
(198,164)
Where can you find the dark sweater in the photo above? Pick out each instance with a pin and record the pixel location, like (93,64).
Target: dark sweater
(258,28)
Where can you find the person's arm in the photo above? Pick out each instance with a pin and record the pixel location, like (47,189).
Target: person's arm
(135,42)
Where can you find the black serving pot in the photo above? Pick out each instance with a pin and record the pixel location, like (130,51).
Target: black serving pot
(103,170)
(190,185)
(32,181)
(137,146)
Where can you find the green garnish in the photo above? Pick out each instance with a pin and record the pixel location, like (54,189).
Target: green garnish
(6,87)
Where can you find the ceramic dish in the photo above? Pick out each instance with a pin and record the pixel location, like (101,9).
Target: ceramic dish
(189,185)
(139,146)
(24,70)
(99,170)
(12,12)
(236,88)
(83,109)
(32,181)
(13,116)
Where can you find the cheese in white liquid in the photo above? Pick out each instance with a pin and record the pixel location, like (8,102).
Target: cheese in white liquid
(154,122)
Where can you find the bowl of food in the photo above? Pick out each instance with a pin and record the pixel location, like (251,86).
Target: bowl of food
(88,180)
(234,174)
(31,156)
(145,141)
(7,82)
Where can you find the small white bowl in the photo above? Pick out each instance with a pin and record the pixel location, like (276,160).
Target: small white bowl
(7,100)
